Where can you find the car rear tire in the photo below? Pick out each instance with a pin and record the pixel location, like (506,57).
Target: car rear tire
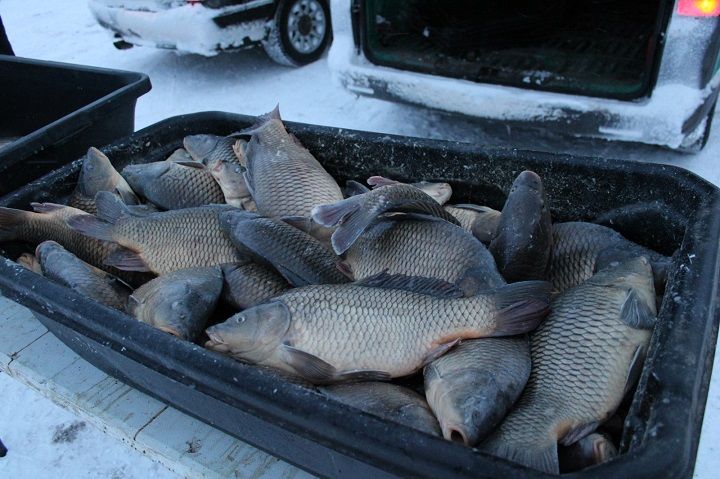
(300,32)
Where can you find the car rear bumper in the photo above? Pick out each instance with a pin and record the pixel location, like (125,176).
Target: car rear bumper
(189,28)
(671,116)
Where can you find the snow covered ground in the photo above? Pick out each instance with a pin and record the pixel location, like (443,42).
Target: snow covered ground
(243,82)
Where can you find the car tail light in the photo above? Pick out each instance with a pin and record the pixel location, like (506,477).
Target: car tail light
(699,8)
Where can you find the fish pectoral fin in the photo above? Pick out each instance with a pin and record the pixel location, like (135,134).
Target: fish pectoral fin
(438,351)
(308,365)
(126,260)
(636,313)
(414,284)
(540,457)
(353,188)
(578,432)
(636,367)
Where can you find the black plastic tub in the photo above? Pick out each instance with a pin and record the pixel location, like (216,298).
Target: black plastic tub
(660,206)
(52,113)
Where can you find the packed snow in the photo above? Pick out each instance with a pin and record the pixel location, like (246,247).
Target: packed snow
(250,83)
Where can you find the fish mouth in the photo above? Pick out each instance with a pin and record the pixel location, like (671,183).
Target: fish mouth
(454,433)
(216,343)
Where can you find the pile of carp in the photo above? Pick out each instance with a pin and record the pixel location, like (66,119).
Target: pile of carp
(527,335)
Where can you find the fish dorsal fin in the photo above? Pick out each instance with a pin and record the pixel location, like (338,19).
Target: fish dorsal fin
(261,121)
(429,207)
(636,313)
(413,284)
(126,260)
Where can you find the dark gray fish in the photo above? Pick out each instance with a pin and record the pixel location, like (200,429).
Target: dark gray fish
(172,186)
(98,174)
(160,242)
(481,221)
(580,249)
(388,401)
(60,265)
(473,387)
(373,331)
(249,284)
(48,222)
(588,451)
(284,178)
(354,215)
(440,192)
(299,257)
(179,302)
(523,240)
(211,148)
(423,246)
(585,356)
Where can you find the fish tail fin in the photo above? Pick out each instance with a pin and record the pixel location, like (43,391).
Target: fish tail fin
(91,226)
(334,213)
(260,122)
(110,207)
(542,457)
(353,220)
(11,223)
(520,307)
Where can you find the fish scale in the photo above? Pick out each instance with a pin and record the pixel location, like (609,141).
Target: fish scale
(173,186)
(576,246)
(51,225)
(287,180)
(581,358)
(178,239)
(390,333)
(429,248)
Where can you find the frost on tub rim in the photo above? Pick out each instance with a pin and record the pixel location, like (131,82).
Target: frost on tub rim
(292,32)
(485,76)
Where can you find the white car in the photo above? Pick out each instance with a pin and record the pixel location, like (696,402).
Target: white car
(638,71)
(293,32)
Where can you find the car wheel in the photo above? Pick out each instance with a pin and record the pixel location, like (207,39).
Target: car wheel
(300,32)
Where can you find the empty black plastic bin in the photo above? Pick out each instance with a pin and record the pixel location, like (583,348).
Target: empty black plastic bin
(675,208)
(52,112)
